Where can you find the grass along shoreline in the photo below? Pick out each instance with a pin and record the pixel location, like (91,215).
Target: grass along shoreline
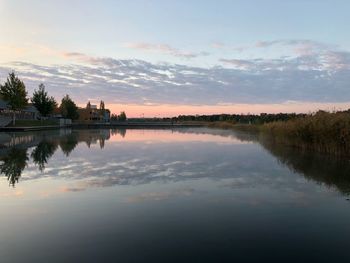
(323,132)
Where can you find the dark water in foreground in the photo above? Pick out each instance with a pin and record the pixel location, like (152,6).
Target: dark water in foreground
(189,195)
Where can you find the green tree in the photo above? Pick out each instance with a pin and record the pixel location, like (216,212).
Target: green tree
(122,116)
(68,108)
(43,102)
(14,93)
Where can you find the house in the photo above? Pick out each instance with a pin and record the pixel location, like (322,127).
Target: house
(93,114)
(30,112)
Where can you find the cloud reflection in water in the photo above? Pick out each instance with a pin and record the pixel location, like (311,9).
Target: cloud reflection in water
(103,158)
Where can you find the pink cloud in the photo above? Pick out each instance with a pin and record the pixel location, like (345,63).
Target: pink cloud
(166,49)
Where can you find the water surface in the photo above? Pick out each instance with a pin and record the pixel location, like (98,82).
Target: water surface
(185,195)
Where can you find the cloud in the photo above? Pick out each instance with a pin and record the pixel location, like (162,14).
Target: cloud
(337,60)
(299,46)
(218,45)
(160,196)
(320,76)
(238,63)
(308,58)
(162,162)
(291,42)
(73,55)
(166,49)
(98,61)
(222,46)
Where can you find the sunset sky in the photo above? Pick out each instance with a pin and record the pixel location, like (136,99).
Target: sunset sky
(165,58)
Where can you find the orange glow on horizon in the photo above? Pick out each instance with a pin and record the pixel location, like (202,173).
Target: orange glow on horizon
(171,110)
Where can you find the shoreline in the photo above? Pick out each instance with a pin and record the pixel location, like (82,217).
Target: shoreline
(320,133)
(275,132)
(126,125)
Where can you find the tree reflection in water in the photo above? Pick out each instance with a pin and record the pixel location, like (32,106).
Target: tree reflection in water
(120,131)
(13,164)
(14,155)
(42,153)
(68,143)
(324,169)
(328,170)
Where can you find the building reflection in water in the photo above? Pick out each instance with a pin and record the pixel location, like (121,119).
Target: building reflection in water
(14,147)
(17,149)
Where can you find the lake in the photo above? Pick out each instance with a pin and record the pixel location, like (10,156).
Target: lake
(181,195)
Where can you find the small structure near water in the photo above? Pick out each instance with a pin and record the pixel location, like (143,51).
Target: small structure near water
(93,114)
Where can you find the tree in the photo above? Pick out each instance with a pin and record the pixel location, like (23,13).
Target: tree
(122,116)
(68,108)
(14,93)
(43,102)
(102,105)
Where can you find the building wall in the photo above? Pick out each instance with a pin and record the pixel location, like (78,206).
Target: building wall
(91,115)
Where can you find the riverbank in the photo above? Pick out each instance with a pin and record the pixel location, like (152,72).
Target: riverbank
(20,126)
(322,132)
(32,125)
(29,128)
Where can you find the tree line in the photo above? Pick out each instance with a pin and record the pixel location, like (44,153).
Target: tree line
(120,117)
(240,118)
(14,92)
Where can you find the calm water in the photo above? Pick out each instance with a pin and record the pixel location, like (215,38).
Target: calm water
(187,195)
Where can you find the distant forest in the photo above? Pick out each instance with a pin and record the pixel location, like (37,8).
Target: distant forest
(261,118)
(240,118)
(233,118)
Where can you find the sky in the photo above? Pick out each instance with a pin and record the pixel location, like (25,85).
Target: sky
(165,58)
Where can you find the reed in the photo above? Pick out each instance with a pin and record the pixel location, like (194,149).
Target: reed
(323,132)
